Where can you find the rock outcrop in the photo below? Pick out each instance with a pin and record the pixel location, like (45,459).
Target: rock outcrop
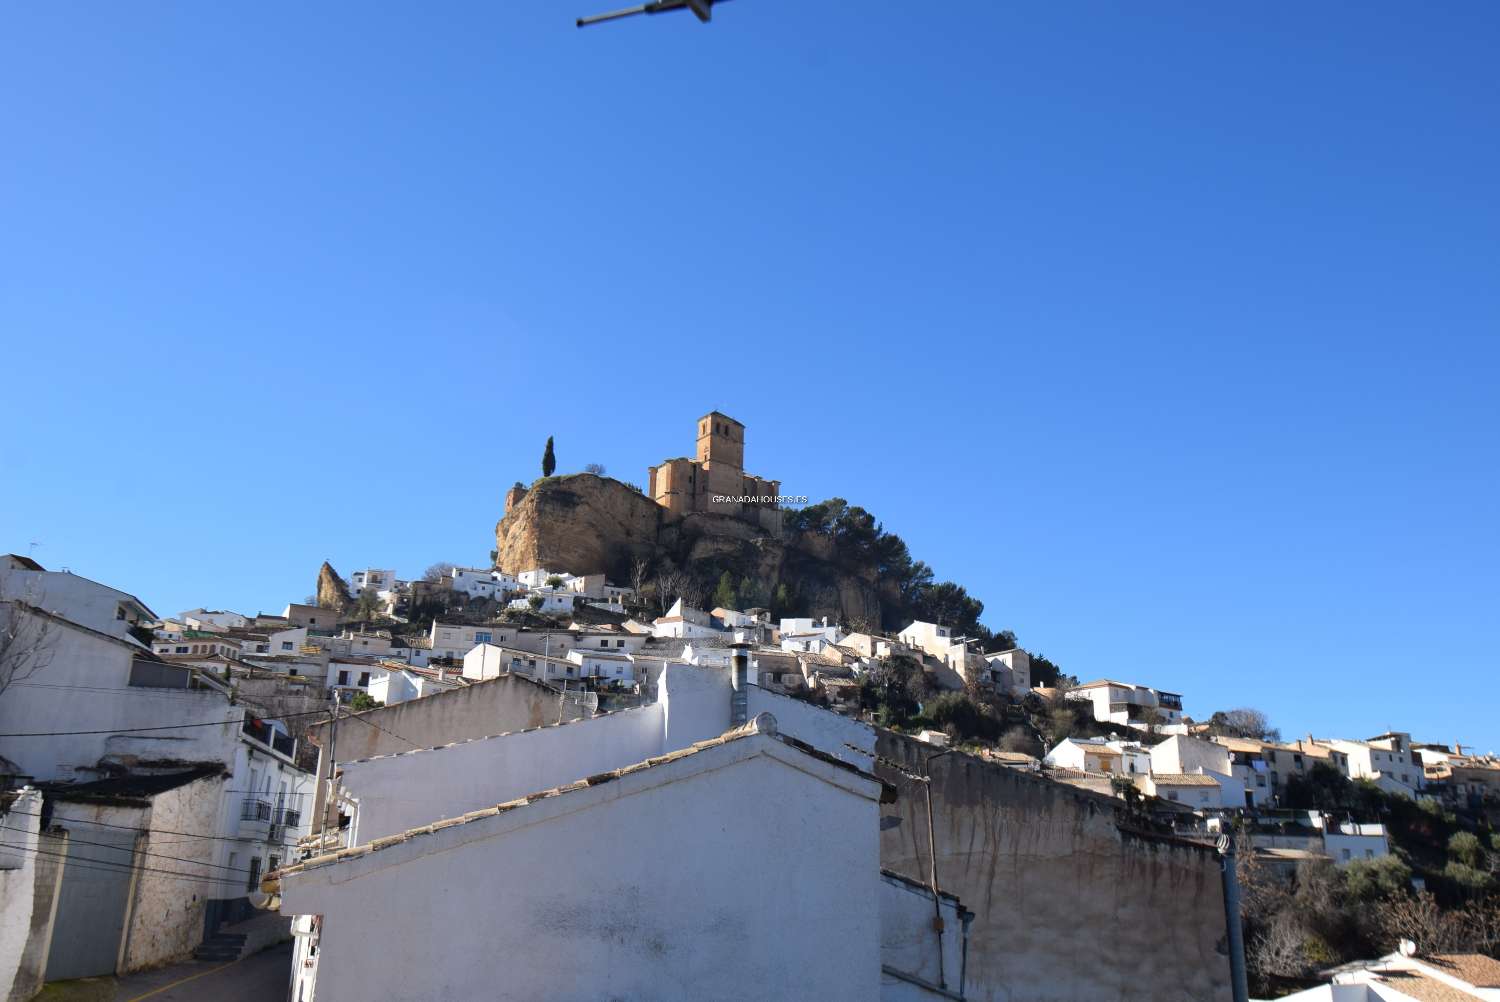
(585,524)
(332,591)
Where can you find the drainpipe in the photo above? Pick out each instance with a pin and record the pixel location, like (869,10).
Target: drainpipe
(1237,984)
(937,901)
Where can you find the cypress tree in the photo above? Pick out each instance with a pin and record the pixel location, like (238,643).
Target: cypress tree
(549,461)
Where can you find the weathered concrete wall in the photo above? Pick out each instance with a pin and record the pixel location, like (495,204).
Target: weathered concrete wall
(398,792)
(87,685)
(1068,906)
(48,873)
(166,915)
(495,706)
(20,828)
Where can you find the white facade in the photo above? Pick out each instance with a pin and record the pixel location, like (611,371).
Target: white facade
(1180,754)
(454,640)
(278,642)
(707,910)
(683,621)
(1198,791)
(266,809)
(538,577)
(380,580)
(95,682)
(1129,705)
(1388,761)
(87,603)
(216,619)
(1011,671)
(606,666)
(554,601)
(389,686)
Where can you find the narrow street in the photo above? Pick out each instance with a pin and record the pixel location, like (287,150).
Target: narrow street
(261,977)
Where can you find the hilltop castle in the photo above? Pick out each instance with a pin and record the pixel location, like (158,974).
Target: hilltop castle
(686,485)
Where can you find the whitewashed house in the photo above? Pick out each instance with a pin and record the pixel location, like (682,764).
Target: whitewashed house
(211,620)
(1387,760)
(1010,671)
(1200,791)
(1118,758)
(1131,705)
(1181,755)
(465,829)
(607,667)
(684,622)
(454,640)
(538,578)
(390,685)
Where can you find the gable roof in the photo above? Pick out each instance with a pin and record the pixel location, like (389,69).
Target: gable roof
(763,726)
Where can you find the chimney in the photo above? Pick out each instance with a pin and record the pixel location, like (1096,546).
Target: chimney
(739,683)
(442,673)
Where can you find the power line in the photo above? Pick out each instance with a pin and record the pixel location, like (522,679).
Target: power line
(163,727)
(157,855)
(132,828)
(108,866)
(381,729)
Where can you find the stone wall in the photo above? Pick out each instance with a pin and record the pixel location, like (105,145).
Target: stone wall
(1068,905)
(166,915)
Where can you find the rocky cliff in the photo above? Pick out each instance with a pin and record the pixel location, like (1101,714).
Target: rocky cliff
(332,592)
(585,524)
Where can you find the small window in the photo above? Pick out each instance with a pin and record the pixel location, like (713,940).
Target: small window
(1345,854)
(286,645)
(364,678)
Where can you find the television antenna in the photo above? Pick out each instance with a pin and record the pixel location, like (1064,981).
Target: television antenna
(702,9)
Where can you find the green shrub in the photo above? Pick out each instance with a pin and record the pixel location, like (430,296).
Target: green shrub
(1371,879)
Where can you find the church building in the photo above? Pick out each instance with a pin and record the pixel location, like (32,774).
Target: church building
(690,485)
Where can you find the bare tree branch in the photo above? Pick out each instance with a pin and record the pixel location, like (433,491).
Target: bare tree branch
(27,637)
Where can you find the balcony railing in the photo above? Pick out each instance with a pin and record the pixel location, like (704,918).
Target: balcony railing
(270,736)
(291,817)
(255,810)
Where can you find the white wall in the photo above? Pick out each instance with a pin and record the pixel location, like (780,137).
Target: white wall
(716,906)
(89,603)
(909,944)
(86,687)
(695,704)
(845,739)
(19,828)
(398,792)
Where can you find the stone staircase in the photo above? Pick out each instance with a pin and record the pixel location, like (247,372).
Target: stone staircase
(221,947)
(231,942)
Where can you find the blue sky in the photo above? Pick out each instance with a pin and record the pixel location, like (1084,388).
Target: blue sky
(1169,330)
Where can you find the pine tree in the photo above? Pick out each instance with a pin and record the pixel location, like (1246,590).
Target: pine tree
(724,594)
(549,461)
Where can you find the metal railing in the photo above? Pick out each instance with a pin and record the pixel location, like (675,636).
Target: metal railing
(255,810)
